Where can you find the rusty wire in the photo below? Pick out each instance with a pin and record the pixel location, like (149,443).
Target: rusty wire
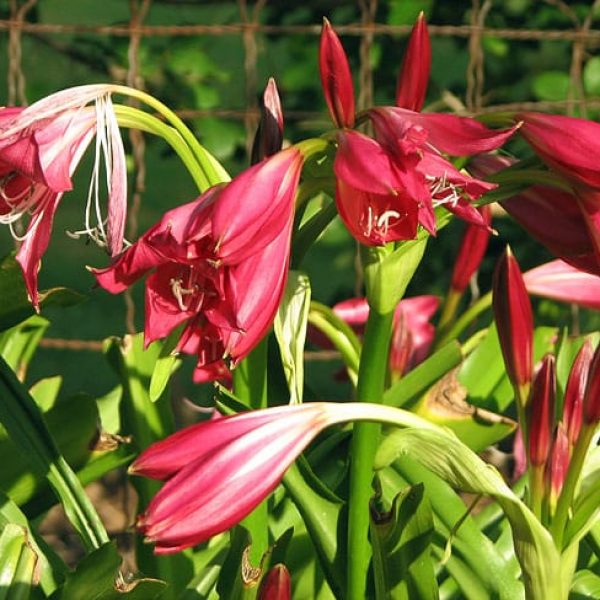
(582,37)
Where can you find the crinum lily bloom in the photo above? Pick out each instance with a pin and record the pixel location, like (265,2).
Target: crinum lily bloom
(218,471)
(386,187)
(218,265)
(40,148)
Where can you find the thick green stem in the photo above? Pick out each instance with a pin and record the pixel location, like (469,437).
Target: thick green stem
(567,494)
(536,489)
(371,383)
(250,386)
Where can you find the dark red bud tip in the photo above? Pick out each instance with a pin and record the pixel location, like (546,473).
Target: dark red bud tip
(277,585)
(540,414)
(514,320)
(269,135)
(575,391)
(591,401)
(336,78)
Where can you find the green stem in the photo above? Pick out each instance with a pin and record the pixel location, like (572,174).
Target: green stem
(133,118)
(250,387)
(371,384)
(449,309)
(26,427)
(536,489)
(213,172)
(465,320)
(559,522)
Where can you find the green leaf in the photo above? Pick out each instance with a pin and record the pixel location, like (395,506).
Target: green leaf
(454,462)
(166,364)
(310,231)
(401,540)
(50,568)
(290,330)
(551,86)
(97,577)
(16,306)
(586,584)
(479,569)
(17,563)
(446,404)
(25,425)
(388,272)
(18,344)
(483,372)
(324,519)
(423,376)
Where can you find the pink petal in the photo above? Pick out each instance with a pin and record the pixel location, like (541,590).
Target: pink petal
(560,281)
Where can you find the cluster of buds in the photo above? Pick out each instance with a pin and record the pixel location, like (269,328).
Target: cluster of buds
(550,439)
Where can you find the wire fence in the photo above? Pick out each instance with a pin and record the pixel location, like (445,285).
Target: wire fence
(581,36)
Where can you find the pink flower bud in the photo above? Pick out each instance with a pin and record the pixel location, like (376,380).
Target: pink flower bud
(540,414)
(336,78)
(575,391)
(471,251)
(558,466)
(277,585)
(514,320)
(414,73)
(591,400)
(269,136)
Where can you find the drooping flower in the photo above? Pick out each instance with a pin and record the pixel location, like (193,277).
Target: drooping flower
(218,471)
(514,321)
(40,148)
(219,264)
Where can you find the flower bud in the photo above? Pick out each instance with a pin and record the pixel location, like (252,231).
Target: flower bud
(591,400)
(277,585)
(574,393)
(336,78)
(269,135)
(514,320)
(541,412)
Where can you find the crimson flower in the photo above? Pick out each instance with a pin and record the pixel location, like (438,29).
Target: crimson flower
(386,187)
(218,264)
(40,148)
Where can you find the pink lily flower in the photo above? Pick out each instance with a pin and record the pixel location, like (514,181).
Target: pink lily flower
(218,471)
(471,252)
(388,186)
(514,320)
(336,78)
(219,265)
(40,148)
(553,217)
(560,281)
(412,334)
(568,145)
